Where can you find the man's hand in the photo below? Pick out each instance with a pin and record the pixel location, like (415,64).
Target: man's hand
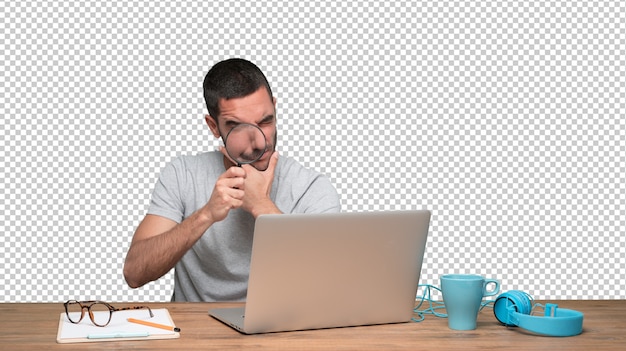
(256,188)
(228,194)
(258,185)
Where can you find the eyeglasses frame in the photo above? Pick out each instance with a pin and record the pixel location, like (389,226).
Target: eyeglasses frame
(88,304)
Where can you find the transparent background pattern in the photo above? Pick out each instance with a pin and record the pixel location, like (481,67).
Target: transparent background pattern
(506,119)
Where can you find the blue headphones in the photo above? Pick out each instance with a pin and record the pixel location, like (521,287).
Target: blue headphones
(513,308)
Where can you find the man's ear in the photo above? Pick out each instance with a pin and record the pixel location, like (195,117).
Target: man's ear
(212,125)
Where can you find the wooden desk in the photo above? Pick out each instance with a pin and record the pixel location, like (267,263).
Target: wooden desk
(33,326)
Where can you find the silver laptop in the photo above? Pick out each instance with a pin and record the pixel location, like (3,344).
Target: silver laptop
(313,271)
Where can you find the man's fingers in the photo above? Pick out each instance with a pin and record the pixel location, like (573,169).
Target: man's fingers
(234,183)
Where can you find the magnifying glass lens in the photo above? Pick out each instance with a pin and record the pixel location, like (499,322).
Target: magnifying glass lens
(245,143)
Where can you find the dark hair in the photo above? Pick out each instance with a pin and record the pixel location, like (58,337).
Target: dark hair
(232,78)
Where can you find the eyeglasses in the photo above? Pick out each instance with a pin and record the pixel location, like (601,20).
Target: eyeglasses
(100,312)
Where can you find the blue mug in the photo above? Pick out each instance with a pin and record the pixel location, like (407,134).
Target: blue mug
(462,296)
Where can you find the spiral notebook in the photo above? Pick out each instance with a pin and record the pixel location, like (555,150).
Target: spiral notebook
(118,329)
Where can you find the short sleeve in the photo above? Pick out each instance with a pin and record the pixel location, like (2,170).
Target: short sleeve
(166,198)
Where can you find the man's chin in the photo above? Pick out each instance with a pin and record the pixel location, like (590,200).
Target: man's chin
(261,165)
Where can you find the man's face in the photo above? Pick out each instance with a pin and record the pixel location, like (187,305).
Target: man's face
(257,109)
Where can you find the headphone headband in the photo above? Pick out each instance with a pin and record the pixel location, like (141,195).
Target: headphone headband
(513,308)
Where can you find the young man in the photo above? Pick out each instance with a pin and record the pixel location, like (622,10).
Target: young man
(202,212)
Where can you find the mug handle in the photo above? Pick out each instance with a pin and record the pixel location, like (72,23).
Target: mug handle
(494,291)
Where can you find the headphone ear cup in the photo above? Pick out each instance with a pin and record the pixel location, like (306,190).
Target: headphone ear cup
(510,302)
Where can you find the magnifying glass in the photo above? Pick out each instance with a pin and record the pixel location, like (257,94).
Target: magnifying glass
(245,143)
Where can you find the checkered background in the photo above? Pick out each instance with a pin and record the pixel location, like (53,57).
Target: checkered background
(506,119)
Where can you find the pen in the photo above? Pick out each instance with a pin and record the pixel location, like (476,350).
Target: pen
(156,325)
(118,335)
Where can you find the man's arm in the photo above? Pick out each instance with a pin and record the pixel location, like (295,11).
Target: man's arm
(159,243)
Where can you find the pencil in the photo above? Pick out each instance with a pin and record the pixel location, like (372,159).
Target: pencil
(156,325)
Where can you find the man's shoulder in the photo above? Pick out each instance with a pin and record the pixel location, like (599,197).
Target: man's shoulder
(304,190)
(292,172)
(288,166)
(204,160)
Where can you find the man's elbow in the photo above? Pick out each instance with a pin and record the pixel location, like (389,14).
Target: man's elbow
(131,278)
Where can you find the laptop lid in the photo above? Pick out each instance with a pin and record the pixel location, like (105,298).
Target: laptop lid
(312,271)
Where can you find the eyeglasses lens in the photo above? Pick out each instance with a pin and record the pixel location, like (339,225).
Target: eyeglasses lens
(73,312)
(100,314)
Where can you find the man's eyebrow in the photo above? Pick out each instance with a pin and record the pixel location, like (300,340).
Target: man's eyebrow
(231,123)
(267,118)
(234,121)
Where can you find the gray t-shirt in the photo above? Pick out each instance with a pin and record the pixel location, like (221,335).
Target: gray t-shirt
(216,268)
